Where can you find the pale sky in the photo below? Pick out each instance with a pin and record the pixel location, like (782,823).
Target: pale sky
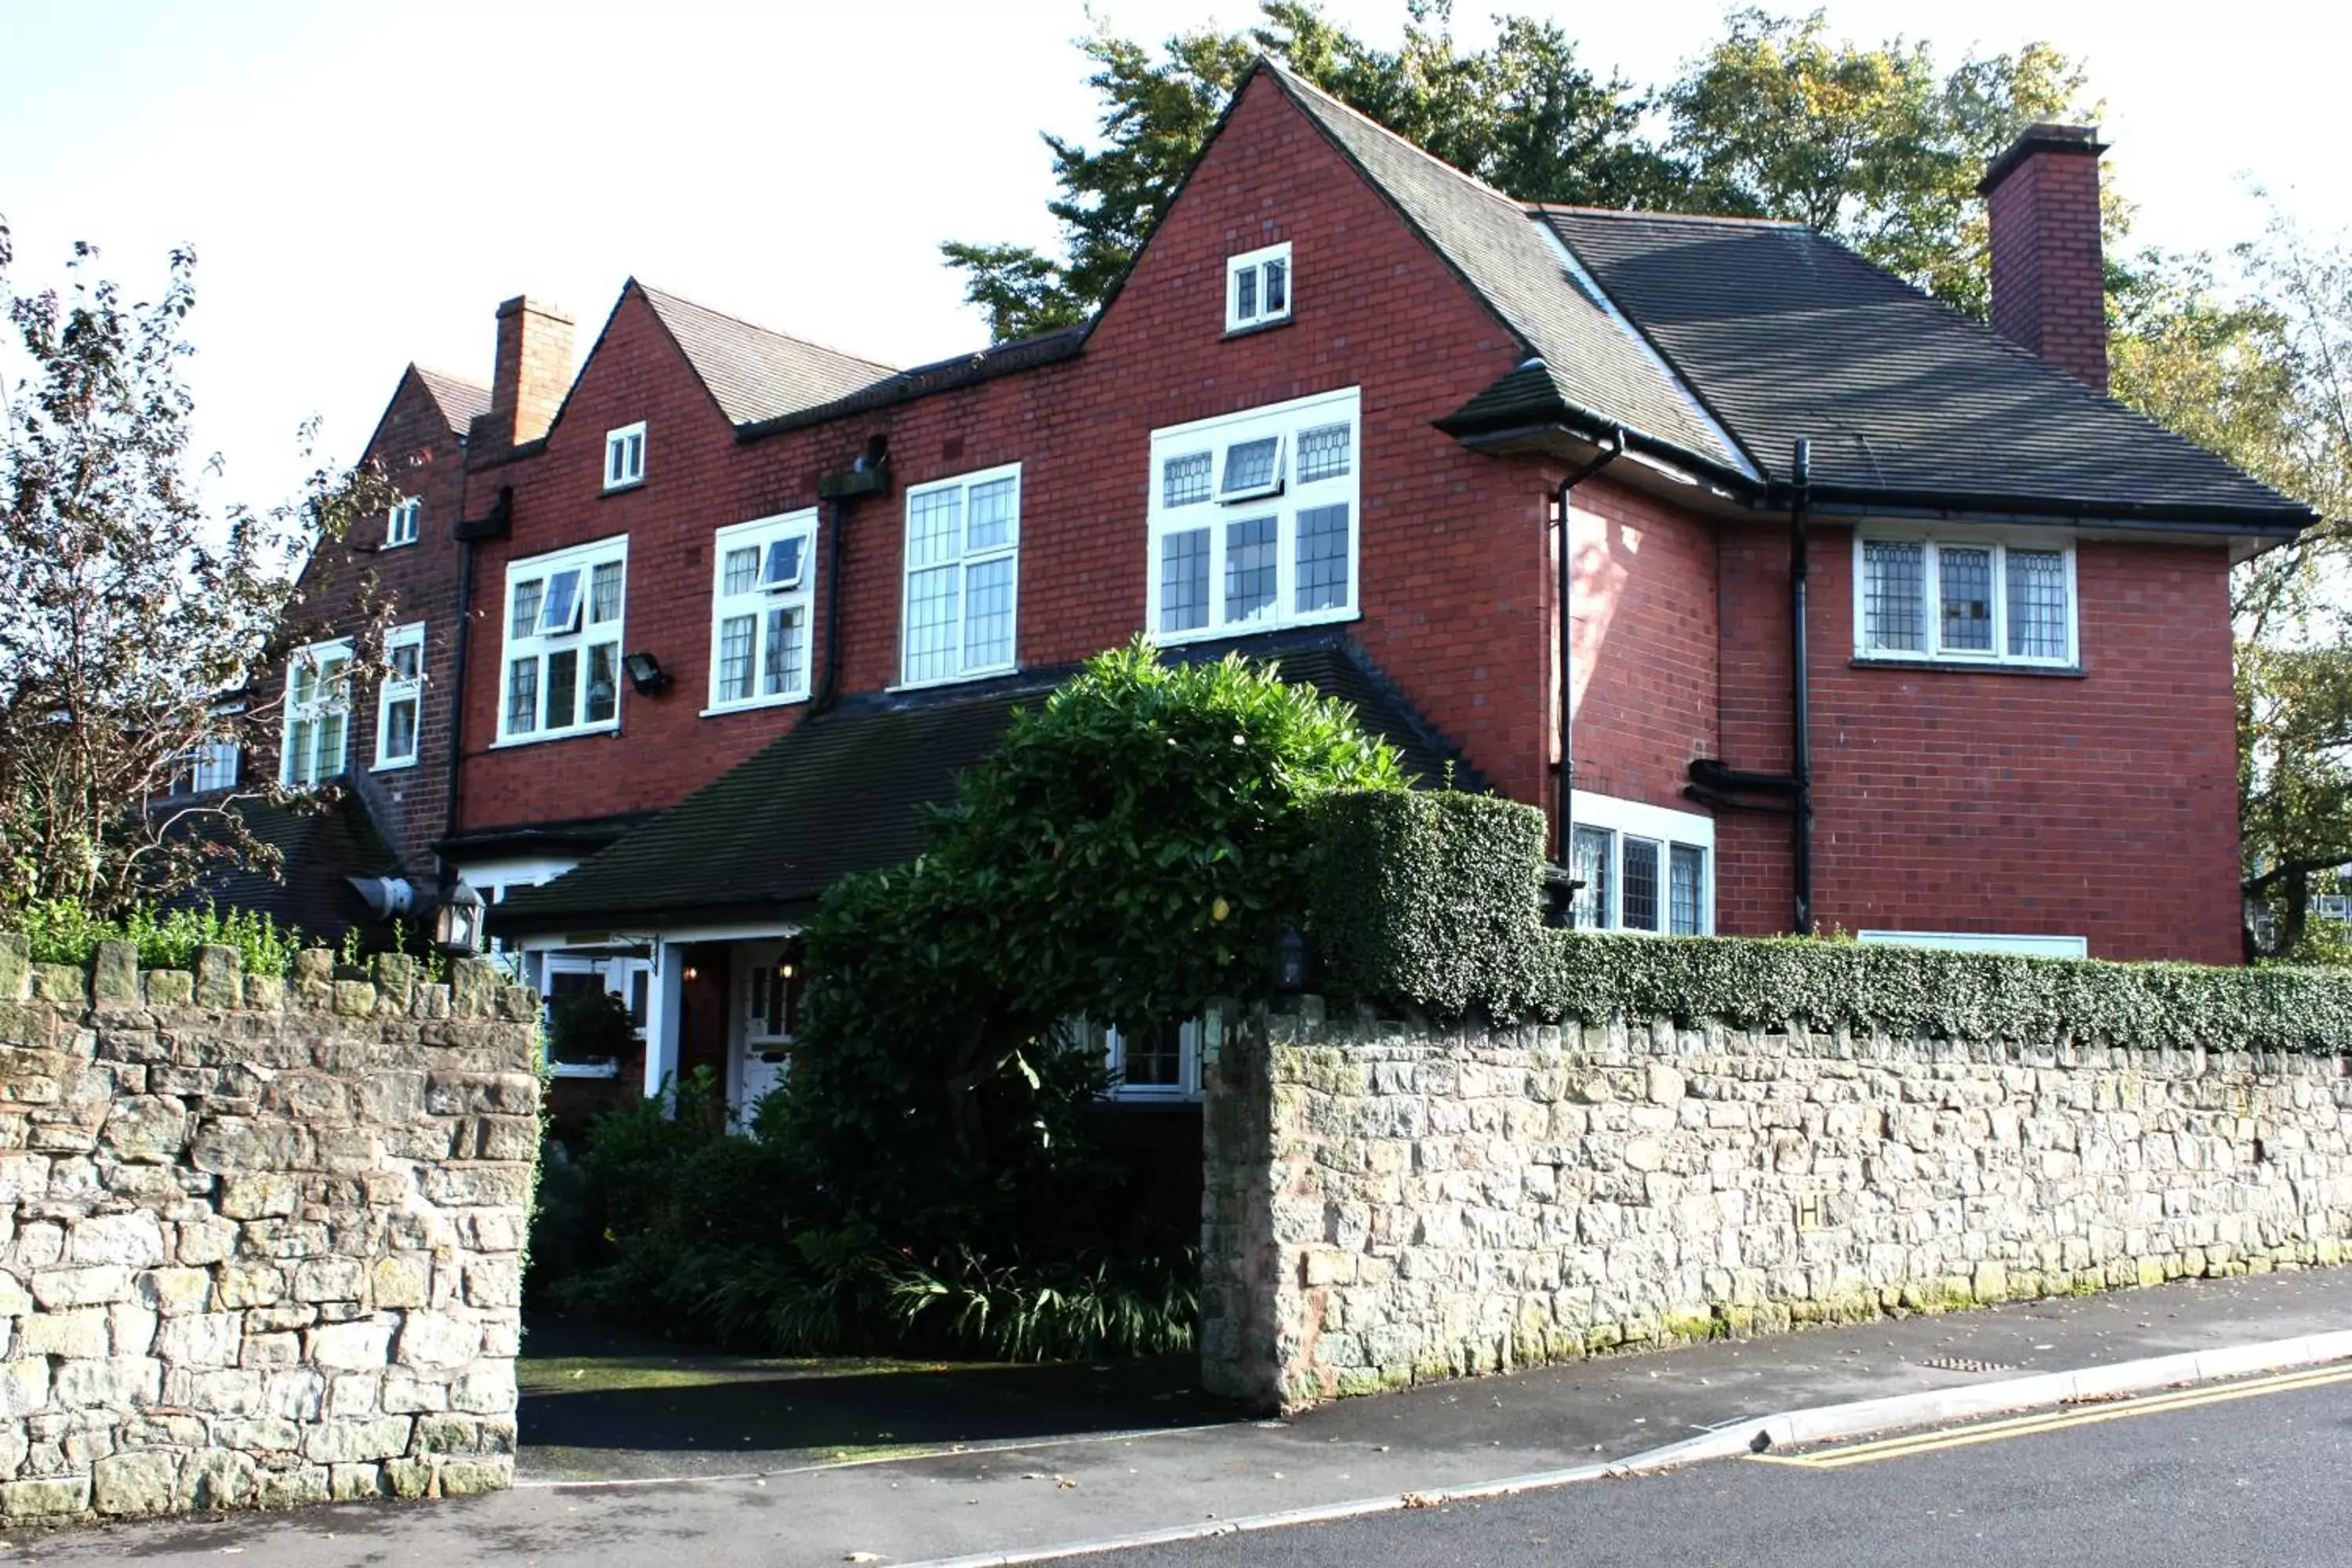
(363,184)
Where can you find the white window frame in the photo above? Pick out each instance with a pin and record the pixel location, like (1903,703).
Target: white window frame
(541,645)
(2019,942)
(334,702)
(400,525)
(1287,499)
(1187,1086)
(619,975)
(963,562)
(1932,651)
(396,691)
(1252,264)
(625,457)
(1623,819)
(205,767)
(762,534)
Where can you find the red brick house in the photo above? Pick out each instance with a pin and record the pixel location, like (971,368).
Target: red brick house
(1959,673)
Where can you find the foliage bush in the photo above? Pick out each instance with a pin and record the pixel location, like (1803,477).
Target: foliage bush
(1432,902)
(62,931)
(931,1174)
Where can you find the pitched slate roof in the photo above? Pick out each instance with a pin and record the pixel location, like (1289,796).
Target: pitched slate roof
(940,376)
(754,374)
(459,400)
(1785,333)
(843,792)
(318,847)
(1591,360)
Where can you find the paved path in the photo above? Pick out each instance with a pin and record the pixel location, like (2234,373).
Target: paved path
(753,1505)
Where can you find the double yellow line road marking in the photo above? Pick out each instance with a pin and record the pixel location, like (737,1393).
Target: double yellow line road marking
(1903,1448)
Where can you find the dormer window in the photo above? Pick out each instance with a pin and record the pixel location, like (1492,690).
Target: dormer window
(1257,287)
(625,457)
(402,526)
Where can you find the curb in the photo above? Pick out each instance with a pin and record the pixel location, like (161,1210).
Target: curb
(1747,1435)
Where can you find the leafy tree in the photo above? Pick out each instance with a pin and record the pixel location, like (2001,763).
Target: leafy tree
(2259,369)
(132,612)
(1878,146)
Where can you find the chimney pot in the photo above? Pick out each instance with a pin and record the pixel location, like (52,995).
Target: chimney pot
(2048,279)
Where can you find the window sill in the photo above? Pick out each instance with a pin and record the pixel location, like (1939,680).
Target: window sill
(1970,666)
(1254,328)
(400,767)
(997,672)
(1255,628)
(1169,1097)
(624,486)
(394,544)
(721,709)
(583,1069)
(505,742)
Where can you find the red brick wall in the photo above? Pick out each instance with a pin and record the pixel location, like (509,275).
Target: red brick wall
(422,457)
(2049,282)
(2103,806)
(1455,585)
(1646,644)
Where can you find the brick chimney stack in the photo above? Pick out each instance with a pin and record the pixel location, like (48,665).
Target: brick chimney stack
(530,377)
(2049,282)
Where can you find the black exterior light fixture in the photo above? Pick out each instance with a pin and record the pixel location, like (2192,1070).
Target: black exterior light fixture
(1293,966)
(646,674)
(457,923)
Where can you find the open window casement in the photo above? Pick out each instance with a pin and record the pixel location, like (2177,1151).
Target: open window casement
(1252,468)
(559,604)
(784,565)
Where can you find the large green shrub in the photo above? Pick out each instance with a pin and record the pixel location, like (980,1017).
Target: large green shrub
(932,1173)
(1431,902)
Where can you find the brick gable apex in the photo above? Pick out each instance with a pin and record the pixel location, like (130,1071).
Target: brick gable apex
(1266,103)
(621,347)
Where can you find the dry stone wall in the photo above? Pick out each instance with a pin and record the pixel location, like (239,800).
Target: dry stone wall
(1389,1203)
(260,1238)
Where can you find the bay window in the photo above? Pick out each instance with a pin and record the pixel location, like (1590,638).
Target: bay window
(561,673)
(1972,600)
(760,609)
(1253,518)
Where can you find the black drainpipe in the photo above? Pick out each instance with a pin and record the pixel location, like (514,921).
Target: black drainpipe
(869,475)
(1801,499)
(1607,455)
(496,526)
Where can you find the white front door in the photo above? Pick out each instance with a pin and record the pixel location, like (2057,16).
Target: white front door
(768,985)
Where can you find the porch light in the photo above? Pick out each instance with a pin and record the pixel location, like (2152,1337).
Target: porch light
(646,674)
(457,923)
(1291,968)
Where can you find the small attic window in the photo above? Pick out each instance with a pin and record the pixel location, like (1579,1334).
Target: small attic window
(625,457)
(402,528)
(1257,287)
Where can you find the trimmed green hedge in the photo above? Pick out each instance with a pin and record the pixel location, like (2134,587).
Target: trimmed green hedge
(1434,902)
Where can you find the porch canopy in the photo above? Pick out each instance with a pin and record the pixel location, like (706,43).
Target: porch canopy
(842,791)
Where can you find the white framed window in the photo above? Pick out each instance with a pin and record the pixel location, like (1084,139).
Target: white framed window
(400,700)
(963,549)
(1983,599)
(566,975)
(1254,518)
(1258,288)
(625,457)
(318,714)
(759,612)
(402,526)
(1161,1063)
(1646,869)
(561,673)
(2026,946)
(207,766)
